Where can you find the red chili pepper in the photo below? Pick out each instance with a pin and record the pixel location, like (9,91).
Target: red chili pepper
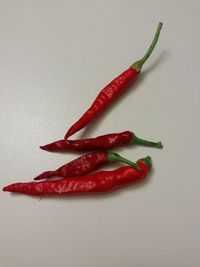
(112,90)
(102,181)
(106,142)
(85,164)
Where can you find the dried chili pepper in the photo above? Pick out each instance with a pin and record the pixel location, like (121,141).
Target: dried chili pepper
(97,182)
(85,164)
(113,90)
(106,142)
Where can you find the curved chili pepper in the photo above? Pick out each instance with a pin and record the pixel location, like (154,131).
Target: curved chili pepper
(113,90)
(85,164)
(106,141)
(97,182)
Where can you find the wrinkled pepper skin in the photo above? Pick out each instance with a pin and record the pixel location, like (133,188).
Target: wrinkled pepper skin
(104,99)
(80,166)
(106,142)
(103,181)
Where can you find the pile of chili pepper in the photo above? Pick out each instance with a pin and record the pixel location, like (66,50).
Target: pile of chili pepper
(78,176)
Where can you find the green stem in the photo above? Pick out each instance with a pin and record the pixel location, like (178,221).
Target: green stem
(139,141)
(138,64)
(147,161)
(114,157)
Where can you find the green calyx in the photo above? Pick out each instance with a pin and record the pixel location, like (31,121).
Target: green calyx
(138,64)
(114,157)
(139,141)
(147,161)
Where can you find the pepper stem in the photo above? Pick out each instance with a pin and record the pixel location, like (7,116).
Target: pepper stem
(114,157)
(139,141)
(138,64)
(147,161)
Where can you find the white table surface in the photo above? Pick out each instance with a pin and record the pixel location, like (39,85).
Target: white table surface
(55,56)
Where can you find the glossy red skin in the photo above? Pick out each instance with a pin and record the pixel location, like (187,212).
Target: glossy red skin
(98,182)
(80,166)
(106,142)
(107,95)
